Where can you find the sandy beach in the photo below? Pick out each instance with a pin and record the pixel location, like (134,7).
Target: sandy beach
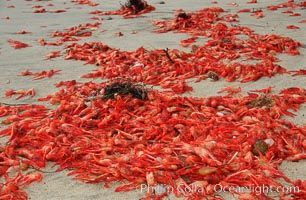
(17,15)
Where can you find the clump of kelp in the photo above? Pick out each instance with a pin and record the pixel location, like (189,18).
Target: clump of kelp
(135,5)
(124,87)
(262,101)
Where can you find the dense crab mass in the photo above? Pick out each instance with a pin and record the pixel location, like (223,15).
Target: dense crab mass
(122,130)
(163,139)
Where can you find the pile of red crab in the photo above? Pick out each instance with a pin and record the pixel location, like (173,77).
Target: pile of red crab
(225,54)
(156,138)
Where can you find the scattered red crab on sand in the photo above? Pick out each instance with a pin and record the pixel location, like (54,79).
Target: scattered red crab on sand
(17,44)
(21,93)
(40,75)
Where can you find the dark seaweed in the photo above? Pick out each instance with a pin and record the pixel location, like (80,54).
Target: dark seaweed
(125,88)
(136,5)
(261,101)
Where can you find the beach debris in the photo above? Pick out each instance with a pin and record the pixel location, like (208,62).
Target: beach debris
(260,147)
(182,15)
(167,55)
(131,9)
(119,34)
(135,5)
(262,101)
(212,75)
(124,87)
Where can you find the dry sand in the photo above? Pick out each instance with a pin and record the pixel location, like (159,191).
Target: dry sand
(59,186)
